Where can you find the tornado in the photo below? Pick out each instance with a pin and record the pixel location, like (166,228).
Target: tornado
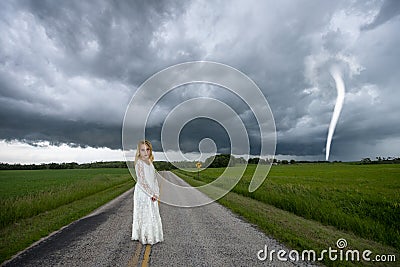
(337,76)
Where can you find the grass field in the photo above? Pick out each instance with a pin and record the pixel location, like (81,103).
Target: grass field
(305,206)
(36,203)
(310,206)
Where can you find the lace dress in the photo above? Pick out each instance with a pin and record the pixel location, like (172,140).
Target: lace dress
(146,226)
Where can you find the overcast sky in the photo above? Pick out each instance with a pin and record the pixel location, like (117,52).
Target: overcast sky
(68,70)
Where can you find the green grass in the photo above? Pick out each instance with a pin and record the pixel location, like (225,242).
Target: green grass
(361,201)
(306,206)
(36,203)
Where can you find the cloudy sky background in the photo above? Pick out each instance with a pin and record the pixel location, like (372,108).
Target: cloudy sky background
(68,70)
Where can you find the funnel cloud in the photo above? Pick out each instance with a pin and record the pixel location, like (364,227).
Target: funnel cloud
(337,76)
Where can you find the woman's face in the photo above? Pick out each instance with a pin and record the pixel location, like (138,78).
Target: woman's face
(144,151)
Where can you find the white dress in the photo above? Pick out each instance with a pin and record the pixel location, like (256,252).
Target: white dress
(146,226)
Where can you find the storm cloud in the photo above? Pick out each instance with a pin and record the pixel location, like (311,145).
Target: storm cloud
(68,70)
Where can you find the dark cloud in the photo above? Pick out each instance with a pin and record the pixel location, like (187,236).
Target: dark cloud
(200,127)
(31,129)
(69,68)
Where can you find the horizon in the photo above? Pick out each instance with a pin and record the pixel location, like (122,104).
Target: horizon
(279,160)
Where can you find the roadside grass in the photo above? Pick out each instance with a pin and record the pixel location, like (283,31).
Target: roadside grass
(302,234)
(310,206)
(35,203)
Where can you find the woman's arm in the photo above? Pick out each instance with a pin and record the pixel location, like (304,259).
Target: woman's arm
(139,168)
(156,187)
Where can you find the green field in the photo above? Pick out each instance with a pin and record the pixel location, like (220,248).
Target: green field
(361,202)
(35,203)
(305,206)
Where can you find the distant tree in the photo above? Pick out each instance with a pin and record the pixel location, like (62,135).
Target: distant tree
(254,160)
(54,166)
(366,161)
(163,165)
(241,160)
(220,161)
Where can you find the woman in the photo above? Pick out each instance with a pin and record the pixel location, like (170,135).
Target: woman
(147,226)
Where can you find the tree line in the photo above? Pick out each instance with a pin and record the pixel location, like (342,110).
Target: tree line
(380,160)
(159,165)
(219,161)
(69,165)
(223,160)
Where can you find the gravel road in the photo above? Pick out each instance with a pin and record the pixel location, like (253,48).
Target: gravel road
(209,235)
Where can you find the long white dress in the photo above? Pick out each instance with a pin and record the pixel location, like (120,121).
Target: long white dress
(146,226)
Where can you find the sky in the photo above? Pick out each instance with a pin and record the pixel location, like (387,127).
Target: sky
(68,70)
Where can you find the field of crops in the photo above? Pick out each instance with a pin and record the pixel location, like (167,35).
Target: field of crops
(34,203)
(362,200)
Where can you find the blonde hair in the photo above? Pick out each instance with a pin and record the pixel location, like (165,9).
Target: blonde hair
(148,144)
